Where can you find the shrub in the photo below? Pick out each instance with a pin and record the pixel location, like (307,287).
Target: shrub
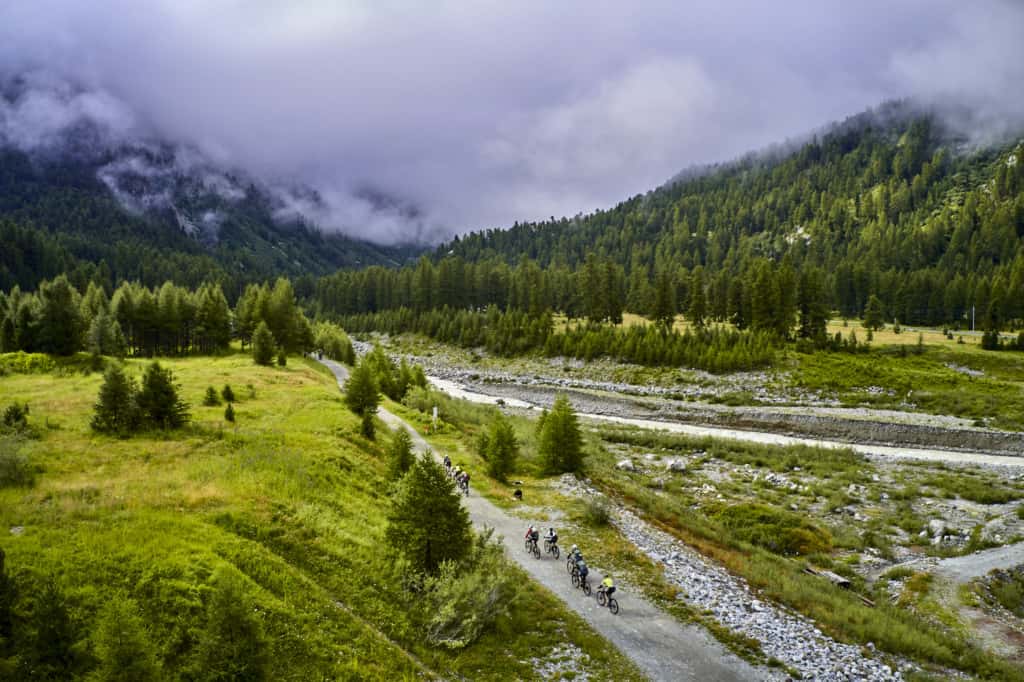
(400,456)
(227,394)
(502,448)
(229,413)
(122,645)
(596,512)
(561,445)
(16,468)
(282,358)
(775,530)
(16,416)
(465,598)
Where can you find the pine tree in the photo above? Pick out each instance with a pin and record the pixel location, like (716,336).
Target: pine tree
(54,651)
(664,310)
(697,309)
(232,646)
(158,400)
(211,399)
(117,410)
(561,445)
(502,448)
(263,348)
(874,315)
(59,327)
(123,648)
(361,393)
(399,453)
(427,524)
(229,413)
(227,394)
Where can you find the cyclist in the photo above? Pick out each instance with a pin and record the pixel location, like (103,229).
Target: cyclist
(608,585)
(532,535)
(552,537)
(465,480)
(447,463)
(581,567)
(574,555)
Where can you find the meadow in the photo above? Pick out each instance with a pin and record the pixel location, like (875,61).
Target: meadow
(289,498)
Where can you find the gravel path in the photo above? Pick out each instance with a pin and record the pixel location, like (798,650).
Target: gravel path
(962,569)
(662,647)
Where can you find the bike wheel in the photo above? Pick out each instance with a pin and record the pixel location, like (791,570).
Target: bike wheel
(568,565)
(601,599)
(554,550)
(575,580)
(527,544)
(613,605)
(536,551)
(586,588)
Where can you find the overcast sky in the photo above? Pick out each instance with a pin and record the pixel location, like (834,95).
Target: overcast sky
(482,113)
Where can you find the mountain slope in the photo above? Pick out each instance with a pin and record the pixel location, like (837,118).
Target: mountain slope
(892,202)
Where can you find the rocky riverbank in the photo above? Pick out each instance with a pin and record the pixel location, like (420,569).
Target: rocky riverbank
(788,637)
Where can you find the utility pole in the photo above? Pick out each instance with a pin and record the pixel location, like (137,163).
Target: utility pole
(972,318)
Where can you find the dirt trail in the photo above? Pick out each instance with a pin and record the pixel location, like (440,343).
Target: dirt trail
(662,647)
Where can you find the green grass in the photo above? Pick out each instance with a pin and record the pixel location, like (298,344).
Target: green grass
(290,497)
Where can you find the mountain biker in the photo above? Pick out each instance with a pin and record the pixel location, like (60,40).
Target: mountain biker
(581,566)
(465,479)
(532,535)
(574,554)
(552,537)
(447,463)
(608,585)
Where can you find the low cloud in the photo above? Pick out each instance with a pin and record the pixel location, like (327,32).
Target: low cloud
(394,122)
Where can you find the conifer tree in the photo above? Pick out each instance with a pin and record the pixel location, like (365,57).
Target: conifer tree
(561,445)
(697,310)
(158,400)
(874,315)
(211,399)
(229,413)
(399,453)
(59,326)
(361,392)
(227,394)
(664,310)
(263,348)
(502,448)
(232,645)
(116,410)
(6,605)
(124,650)
(427,523)
(54,652)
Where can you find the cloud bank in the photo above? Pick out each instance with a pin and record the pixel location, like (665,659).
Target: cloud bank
(412,121)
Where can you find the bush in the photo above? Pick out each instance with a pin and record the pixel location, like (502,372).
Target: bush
(596,512)
(16,470)
(16,416)
(282,358)
(229,413)
(465,598)
(561,445)
(232,645)
(227,394)
(211,399)
(116,412)
(775,530)
(400,456)
(123,647)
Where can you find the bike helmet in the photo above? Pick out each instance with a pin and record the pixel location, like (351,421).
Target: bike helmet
(574,548)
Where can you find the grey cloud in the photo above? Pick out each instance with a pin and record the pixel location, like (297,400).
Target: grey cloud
(411,120)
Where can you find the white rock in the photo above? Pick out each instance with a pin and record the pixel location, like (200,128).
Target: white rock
(626,465)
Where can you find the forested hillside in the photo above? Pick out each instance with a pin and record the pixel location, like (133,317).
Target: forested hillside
(890,203)
(58,216)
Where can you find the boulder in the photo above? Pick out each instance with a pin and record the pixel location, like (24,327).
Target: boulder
(936,528)
(626,465)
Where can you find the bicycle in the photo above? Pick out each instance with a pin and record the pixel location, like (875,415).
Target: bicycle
(570,564)
(464,487)
(532,548)
(581,582)
(551,548)
(604,599)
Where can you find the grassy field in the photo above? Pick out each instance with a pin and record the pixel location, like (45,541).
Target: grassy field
(290,498)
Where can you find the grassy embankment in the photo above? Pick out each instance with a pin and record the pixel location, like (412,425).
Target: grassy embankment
(713,529)
(290,497)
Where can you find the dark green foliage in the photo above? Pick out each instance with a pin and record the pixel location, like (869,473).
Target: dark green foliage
(16,416)
(116,412)
(232,645)
(664,309)
(990,340)
(59,325)
(367,427)
(263,348)
(227,394)
(211,399)
(362,394)
(874,316)
(54,652)
(282,358)
(229,413)
(775,530)
(393,380)
(500,448)
(158,400)
(7,598)
(427,524)
(560,442)
(333,342)
(123,649)
(399,454)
